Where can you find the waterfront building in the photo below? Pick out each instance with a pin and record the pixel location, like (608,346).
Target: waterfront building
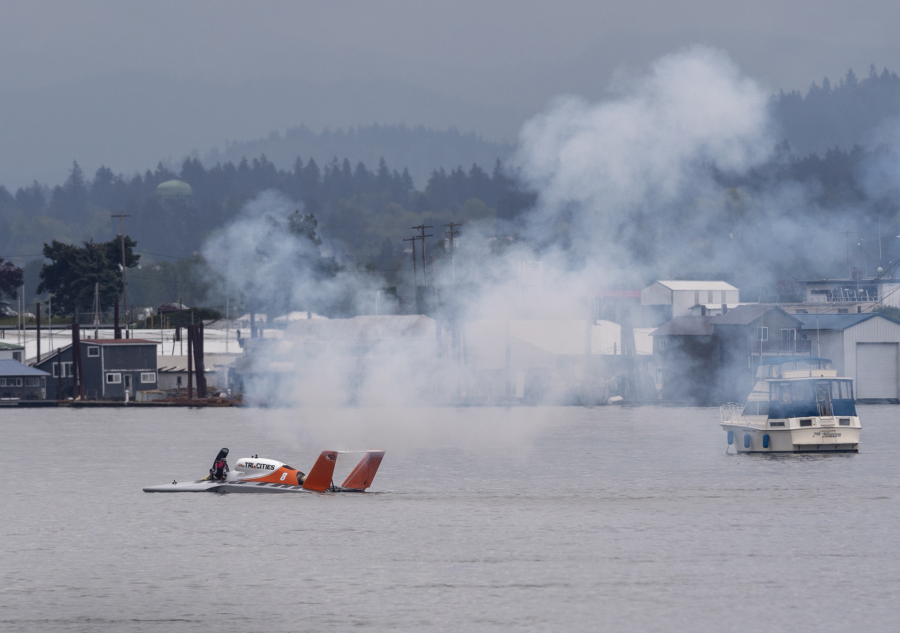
(664,300)
(713,359)
(112,367)
(21,382)
(10,351)
(865,347)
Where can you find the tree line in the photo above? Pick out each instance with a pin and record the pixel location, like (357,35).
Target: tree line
(366,211)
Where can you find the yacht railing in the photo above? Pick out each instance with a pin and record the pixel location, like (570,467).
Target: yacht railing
(730,411)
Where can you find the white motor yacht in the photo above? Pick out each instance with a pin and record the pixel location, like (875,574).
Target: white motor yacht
(798,405)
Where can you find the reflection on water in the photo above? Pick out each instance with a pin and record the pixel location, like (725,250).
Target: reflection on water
(630,519)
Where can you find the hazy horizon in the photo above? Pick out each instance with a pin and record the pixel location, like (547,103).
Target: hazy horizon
(130,85)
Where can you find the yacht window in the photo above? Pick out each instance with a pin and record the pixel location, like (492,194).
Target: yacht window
(780,392)
(805,422)
(764,407)
(776,423)
(835,390)
(846,390)
(802,390)
(845,422)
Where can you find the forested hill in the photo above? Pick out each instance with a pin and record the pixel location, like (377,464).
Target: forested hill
(853,112)
(366,211)
(417,149)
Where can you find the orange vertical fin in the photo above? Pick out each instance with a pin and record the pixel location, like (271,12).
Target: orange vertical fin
(319,478)
(362,476)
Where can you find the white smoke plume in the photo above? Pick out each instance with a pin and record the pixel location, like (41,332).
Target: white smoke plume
(630,190)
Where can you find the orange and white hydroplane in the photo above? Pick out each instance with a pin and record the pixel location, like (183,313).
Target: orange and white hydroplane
(252,474)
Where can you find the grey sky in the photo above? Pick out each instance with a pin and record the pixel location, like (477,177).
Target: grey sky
(128,84)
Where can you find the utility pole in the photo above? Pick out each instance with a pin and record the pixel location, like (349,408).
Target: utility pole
(122,217)
(415,273)
(880,259)
(848,234)
(422,237)
(453,233)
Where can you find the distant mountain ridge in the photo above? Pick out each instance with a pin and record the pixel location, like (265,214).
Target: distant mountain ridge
(419,149)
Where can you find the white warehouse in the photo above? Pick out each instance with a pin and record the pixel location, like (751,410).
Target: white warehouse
(861,346)
(664,300)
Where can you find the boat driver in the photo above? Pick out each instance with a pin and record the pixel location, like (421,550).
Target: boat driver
(220,466)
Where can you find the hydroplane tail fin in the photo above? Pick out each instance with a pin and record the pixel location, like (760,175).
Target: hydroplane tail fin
(362,476)
(319,478)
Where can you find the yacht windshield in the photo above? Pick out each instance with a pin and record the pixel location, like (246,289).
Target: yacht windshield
(801,398)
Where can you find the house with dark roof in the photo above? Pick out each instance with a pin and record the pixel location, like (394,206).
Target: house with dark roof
(863,346)
(713,359)
(112,367)
(21,382)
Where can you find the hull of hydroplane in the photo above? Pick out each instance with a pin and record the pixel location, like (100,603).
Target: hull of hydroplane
(269,476)
(225,487)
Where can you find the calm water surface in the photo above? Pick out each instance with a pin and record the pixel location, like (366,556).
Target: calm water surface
(605,519)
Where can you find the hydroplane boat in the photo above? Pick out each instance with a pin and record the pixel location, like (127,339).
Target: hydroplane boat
(799,405)
(252,474)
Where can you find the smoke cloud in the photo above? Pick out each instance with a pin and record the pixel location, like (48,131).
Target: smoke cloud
(659,181)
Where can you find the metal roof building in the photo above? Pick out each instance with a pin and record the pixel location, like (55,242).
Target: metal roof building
(664,300)
(8,351)
(865,347)
(21,382)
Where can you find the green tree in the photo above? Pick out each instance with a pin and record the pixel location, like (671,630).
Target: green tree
(74,270)
(889,312)
(11,279)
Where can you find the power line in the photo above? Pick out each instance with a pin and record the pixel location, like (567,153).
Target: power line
(186,259)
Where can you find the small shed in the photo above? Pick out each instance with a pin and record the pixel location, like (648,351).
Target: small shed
(173,375)
(21,382)
(865,347)
(9,351)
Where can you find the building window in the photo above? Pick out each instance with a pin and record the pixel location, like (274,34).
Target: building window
(113,379)
(788,335)
(17,356)
(148,377)
(43,382)
(55,370)
(2,382)
(66,370)
(93,351)
(18,382)
(31,382)
(178,380)
(663,344)
(762,334)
